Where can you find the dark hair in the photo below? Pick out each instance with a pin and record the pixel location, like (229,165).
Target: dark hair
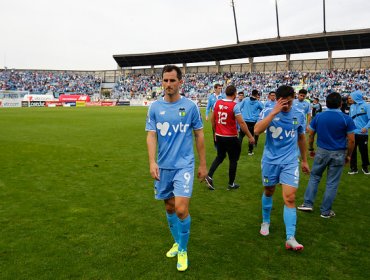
(316,99)
(241,92)
(255,92)
(230,90)
(284,91)
(302,91)
(271,92)
(345,106)
(334,100)
(170,68)
(216,86)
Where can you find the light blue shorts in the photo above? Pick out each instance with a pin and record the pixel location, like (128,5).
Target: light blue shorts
(287,174)
(174,182)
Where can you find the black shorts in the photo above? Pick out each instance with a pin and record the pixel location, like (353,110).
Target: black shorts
(229,145)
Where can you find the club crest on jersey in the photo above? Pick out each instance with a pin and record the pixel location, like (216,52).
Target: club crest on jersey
(182,112)
(295,121)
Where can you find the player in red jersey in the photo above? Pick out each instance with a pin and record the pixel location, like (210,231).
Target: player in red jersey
(225,116)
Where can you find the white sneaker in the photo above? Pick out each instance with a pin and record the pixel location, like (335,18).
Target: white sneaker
(265,229)
(304,207)
(366,171)
(353,172)
(292,244)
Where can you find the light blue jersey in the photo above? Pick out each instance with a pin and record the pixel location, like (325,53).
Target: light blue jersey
(270,104)
(250,108)
(174,123)
(282,136)
(304,106)
(212,99)
(360,112)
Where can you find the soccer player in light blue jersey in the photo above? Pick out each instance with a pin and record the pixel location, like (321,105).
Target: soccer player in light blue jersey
(285,127)
(170,124)
(212,99)
(303,105)
(271,100)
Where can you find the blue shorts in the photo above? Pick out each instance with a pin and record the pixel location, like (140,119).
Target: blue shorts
(287,174)
(174,182)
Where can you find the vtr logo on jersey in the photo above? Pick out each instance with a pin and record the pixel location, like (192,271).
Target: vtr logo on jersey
(165,127)
(276,132)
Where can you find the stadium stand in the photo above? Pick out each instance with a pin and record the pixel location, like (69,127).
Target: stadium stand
(43,82)
(198,85)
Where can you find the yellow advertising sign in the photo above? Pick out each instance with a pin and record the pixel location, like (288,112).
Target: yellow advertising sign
(80,103)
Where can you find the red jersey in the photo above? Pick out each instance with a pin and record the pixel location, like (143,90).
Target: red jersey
(224,116)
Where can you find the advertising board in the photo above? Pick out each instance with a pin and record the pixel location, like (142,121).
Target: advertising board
(10,103)
(74,97)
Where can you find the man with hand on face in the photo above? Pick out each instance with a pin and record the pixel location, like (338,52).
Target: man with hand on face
(285,127)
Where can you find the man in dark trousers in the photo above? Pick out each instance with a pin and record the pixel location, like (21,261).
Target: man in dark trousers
(250,108)
(360,113)
(226,114)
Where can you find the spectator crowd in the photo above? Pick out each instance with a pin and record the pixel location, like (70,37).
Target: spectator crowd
(44,82)
(199,85)
(196,85)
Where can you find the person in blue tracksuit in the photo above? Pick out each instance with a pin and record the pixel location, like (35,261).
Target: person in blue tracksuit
(251,108)
(360,113)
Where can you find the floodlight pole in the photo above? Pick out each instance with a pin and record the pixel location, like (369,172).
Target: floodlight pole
(236,26)
(277,19)
(324,13)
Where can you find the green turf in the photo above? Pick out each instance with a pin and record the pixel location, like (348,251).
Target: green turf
(76,202)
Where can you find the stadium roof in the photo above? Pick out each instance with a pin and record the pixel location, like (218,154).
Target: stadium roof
(334,41)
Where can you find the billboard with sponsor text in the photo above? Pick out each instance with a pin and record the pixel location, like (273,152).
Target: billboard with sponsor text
(73,98)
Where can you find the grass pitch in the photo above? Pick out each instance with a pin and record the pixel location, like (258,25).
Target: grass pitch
(76,202)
